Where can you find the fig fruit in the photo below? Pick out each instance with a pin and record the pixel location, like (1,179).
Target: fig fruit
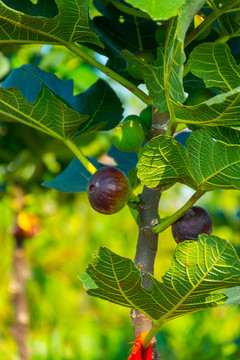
(108,190)
(128,136)
(196,221)
(136,71)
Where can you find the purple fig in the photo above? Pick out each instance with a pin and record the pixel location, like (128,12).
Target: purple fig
(196,221)
(108,190)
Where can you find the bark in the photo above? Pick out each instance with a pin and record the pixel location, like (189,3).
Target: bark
(147,241)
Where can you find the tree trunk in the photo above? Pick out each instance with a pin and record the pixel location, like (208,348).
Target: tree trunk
(147,241)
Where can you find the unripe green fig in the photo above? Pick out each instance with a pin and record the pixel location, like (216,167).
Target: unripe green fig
(194,222)
(146,118)
(128,136)
(108,190)
(135,71)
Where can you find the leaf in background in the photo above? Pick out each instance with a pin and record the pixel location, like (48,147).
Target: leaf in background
(66,21)
(163,160)
(225,134)
(125,161)
(233,295)
(225,4)
(163,77)
(198,269)
(158,10)
(102,106)
(215,65)
(229,24)
(214,164)
(221,110)
(73,179)
(99,104)
(117,31)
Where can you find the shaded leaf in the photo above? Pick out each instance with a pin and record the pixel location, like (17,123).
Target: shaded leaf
(214,164)
(29,24)
(198,269)
(73,179)
(214,63)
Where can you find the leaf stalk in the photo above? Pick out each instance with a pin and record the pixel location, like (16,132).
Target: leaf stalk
(81,157)
(164,224)
(109,72)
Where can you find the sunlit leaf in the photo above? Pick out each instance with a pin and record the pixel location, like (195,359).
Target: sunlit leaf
(198,270)
(158,9)
(214,164)
(225,134)
(215,65)
(163,160)
(56,22)
(233,296)
(221,110)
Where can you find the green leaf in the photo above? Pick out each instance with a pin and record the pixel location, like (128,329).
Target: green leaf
(163,160)
(163,77)
(71,24)
(233,295)
(214,164)
(158,10)
(221,110)
(47,113)
(198,270)
(225,134)
(205,165)
(216,66)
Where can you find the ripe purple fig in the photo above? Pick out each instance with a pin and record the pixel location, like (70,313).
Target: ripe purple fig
(196,221)
(108,190)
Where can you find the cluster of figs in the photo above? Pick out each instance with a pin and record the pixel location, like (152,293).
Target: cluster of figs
(109,189)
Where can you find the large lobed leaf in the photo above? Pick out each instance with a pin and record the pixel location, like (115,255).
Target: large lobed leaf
(205,165)
(198,270)
(43,101)
(68,22)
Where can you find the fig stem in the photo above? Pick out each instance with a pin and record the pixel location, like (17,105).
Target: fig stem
(169,220)
(109,72)
(81,157)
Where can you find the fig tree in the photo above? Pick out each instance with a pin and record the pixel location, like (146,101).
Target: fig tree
(196,221)
(128,136)
(108,190)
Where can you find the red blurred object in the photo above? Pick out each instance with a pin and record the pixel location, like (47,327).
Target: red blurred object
(137,352)
(27,225)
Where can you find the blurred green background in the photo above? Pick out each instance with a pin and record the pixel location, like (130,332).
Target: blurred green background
(66,323)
